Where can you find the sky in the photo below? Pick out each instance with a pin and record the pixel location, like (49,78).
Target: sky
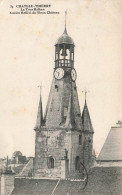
(27,60)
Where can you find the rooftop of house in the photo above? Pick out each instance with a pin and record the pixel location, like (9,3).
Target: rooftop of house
(111,150)
(101,180)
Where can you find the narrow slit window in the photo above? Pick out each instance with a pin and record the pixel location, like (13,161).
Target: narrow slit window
(77,163)
(80,139)
(56,87)
(50,163)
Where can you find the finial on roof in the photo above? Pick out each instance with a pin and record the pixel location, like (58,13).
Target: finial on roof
(65,38)
(85,92)
(65,30)
(40,86)
(86,120)
(39,121)
(119,123)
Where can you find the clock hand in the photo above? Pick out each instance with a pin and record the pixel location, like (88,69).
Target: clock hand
(57,72)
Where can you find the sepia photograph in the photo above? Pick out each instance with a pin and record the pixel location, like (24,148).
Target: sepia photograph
(61,97)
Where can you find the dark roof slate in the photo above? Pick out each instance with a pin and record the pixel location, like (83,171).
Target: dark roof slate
(86,121)
(65,38)
(39,121)
(112,148)
(101,181)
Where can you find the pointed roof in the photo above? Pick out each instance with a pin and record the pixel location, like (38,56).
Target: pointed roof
(39,121)
(112,148)
(73,118)
(63,110)
(65,38)
(86,121)
(70,123)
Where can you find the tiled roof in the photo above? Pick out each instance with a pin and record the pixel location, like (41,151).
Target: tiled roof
(34,186)
(86,121)
(101,181)
(63,110)
(17,169)
(105,181)
(112,148)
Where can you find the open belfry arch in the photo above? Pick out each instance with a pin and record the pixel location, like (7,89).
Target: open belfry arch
(64,137)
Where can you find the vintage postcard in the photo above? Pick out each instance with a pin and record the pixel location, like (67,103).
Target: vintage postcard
(61,108)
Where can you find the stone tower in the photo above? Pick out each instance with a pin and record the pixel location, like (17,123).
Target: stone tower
(64,137)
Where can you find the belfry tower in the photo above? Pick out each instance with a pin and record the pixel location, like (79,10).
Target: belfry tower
(64,137)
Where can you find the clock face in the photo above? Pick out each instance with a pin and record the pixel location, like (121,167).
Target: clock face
(73,74)
(59,73)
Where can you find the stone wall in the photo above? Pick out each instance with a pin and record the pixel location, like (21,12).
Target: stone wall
(62,145)
(51,144)
(87,150)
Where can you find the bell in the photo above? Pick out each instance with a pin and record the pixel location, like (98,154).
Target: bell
(58,49)
(64,52)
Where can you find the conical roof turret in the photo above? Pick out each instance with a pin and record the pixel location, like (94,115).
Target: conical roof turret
(86,121)
(39,121)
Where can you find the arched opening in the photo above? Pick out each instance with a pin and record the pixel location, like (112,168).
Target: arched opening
(64,55)
(77,163)
(50,163)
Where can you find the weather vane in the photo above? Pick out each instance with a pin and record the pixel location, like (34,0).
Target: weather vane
(65,17)
(85,92)
(40,86)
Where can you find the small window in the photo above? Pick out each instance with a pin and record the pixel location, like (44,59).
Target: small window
(56,87)
(77,163)
(50,163)
(80,139)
